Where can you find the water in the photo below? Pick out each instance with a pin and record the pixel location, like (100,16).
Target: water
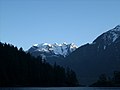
(64,88)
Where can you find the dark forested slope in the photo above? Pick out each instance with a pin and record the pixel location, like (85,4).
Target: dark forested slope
(101,56)
(20,69)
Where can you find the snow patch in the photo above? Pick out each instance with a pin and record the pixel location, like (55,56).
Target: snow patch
(117,28)
(104,47)
(43,56)
(35,45)
(115,36)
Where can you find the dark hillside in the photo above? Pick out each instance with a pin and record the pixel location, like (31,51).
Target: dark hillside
(20,69)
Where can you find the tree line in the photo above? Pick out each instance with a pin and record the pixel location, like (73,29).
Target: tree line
(18,68)
(106,81)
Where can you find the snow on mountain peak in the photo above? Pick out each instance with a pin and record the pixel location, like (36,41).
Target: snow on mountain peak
(35,45)
(117,28)
(45,44)
(58,49)
(114,33)
(108,37)
(64,43)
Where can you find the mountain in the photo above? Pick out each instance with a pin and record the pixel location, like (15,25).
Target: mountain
(101,56)
(108,37)
(89,61)
(52,52)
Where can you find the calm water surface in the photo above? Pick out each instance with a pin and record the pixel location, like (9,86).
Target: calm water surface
(64,88)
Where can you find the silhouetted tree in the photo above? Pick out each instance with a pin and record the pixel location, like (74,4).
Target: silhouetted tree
(71,77)
(18,68)
(105,81)
(116,78)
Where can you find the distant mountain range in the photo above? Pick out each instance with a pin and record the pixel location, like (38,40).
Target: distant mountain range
(52,51)
(89,60)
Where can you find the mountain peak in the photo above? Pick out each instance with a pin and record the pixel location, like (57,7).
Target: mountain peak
(64,43)
(118,25)
(108,37)
(35,45)
(63,49)
(117,28)
(55,44)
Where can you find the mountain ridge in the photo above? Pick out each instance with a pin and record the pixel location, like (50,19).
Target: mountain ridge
(100,56)
(91,59)
(52,50)
(110,36)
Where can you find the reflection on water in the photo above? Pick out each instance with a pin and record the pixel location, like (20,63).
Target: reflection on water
(63,88)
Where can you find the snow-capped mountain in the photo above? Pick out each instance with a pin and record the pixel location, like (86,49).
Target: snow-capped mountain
(89,60)
(101,56)
(55,49)
(108,37)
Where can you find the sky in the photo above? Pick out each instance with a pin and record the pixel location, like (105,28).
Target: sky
(27,22)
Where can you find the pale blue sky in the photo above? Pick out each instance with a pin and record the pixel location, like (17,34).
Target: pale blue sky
(26,22)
